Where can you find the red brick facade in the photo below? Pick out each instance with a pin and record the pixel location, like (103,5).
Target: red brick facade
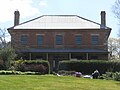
(68,38)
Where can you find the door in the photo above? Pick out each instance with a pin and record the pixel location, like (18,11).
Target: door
(55,65)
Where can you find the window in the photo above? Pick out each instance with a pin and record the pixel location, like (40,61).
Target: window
(59,39)
(95,39)
(78,39)
(24,39)
(39,39)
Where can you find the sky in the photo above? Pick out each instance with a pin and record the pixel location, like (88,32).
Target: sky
(30,9)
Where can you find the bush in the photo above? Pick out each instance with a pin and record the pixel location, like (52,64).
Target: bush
(88,66)
(29,73)
(108,76)
(1,66)
(4,72)
(40,66)
(7,55)
(116,76)
(111,76)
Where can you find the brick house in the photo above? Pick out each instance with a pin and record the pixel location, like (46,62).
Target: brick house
(60,37)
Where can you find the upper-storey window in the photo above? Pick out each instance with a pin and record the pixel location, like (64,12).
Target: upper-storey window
(59,39)
(78,39)
(95,39)
(24,39)
(39,39)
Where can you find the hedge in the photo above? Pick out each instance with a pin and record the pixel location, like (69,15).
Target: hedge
(9,72)
(1,66)
(40,66)
(88,66)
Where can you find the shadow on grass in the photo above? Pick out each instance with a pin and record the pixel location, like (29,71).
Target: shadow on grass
(118,83)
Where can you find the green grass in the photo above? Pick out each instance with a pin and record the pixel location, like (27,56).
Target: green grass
(49,82)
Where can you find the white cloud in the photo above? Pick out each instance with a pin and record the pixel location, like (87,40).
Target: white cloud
(7,8)
(43,3)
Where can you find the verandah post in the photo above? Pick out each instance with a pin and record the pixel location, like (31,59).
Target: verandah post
(87,56)
(30,56)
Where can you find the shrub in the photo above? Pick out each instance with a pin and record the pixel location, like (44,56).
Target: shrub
(116,76)
(108,76)
(2,72)
(29,73)
(111,76)
(5,72)
(1,66)
(88,66)
(40,66)
(7,55)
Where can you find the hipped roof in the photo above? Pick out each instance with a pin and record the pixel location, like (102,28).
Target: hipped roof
(58,22)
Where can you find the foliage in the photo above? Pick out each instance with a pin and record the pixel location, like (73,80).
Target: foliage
(108,76)
(7,55)
(116,11)
(3,36)
(4,72)
(88,66)
(1,66)
(116,76)
(114,48)
(40,66)
(111,76)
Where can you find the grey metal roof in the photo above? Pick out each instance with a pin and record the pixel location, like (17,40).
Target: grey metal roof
(58,22)
(64,50)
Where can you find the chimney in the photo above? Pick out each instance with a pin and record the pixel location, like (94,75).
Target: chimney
(103,20)
(16,17)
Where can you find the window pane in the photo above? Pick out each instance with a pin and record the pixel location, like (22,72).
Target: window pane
(95,40)
(24,39)
(40,39)
(59,39)
(78,39)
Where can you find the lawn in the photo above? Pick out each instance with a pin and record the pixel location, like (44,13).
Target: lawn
(49,82)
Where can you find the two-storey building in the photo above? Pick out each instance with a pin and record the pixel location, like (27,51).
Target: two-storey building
(60,37)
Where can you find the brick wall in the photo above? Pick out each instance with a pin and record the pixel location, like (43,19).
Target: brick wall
(68,38)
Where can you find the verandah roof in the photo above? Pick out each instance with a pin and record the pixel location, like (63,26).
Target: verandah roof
(64,50)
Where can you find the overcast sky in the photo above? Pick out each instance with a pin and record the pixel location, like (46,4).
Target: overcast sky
(29,9)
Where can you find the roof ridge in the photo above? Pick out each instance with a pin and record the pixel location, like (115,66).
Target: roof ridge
(59,15)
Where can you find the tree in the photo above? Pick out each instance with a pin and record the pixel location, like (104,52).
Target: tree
(3,36)
(7,53)
(116,11)
(114,48)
